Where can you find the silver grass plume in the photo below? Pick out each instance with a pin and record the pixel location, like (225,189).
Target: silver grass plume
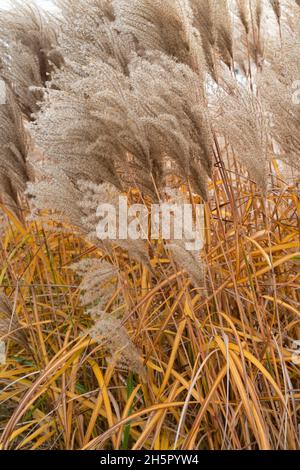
(97,285)
(103,118)
(76,203)
(240,117)
(187,259)
(224,32)
(162,26)
(54,191)
(204,12)
(277,88)
(92,196)
(28,53)
(212,20)
(97,279)
(109,331)
(89,32)
(243,14)
(14,172)
(276,7)
(258,13)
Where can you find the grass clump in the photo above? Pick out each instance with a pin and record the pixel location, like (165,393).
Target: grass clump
(122,345)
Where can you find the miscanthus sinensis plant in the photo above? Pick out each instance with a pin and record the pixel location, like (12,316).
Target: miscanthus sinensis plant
(112,97)
(124,85)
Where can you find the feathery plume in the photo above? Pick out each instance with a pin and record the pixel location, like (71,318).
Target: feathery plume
(162,26)
(240,117)
(29,56)
(204,12)
(109,114)
(95,274)
(243,14)
(224,32)
(109,331)
(276,7)
(187,260)
(258,13)
(13,152)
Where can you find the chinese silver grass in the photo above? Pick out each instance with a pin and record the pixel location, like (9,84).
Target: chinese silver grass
(285,118)
(250,35)
(204,19)
(258,13)
(89,33)
(162,26)
(243,14)
(186,257)
(92,196)
(13,152)
(67,131)
(188,260)
(279,89)
(10,327)
(115,115)
(54,191)
(98,278)
(28,48)
(276,7)
(76,203)
(97,275)
(224,32)
(240,117)
(109,331)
